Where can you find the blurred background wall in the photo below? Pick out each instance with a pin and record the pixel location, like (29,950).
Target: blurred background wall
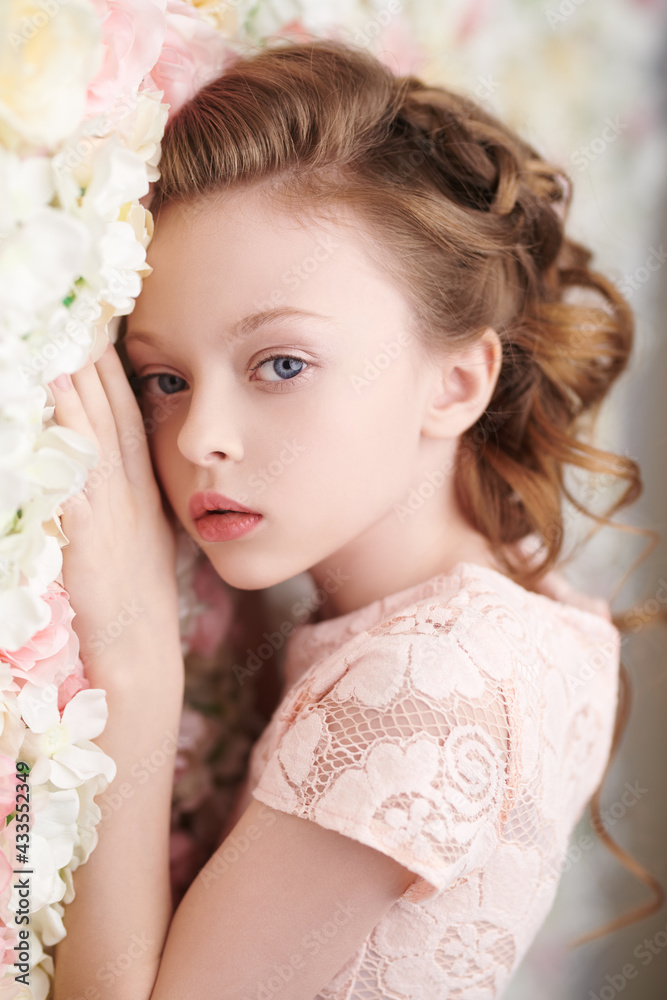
(585,82)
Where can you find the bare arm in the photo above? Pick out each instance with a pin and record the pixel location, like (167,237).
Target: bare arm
(279,892)
(283,904)
(117,923)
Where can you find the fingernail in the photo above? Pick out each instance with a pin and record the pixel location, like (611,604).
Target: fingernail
(63,381)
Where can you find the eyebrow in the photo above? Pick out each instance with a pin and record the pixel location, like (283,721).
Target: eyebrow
(244,327)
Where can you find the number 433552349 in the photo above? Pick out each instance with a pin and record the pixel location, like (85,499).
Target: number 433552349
(22,812)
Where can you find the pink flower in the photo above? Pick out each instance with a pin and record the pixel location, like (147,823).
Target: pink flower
(212,625)
(73,683)
(192,54)
(133,32)
(48,657)
(7,786)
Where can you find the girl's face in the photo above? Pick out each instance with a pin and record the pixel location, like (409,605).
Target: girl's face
(325,439)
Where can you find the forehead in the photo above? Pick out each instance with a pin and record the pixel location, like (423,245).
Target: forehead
(248,217)
(239,252)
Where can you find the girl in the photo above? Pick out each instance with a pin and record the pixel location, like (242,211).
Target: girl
(367,346)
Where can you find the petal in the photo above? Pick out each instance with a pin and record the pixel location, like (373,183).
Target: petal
(85,715)
(22,613)
(39,706)
(72,766)
(56,823)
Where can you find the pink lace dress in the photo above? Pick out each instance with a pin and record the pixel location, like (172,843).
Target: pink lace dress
(459,726)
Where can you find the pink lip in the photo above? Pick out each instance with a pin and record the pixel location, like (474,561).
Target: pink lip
(212,527)
(224,527)
(201,503)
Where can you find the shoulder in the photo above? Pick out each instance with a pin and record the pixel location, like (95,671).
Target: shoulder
(439,645)
(465,615)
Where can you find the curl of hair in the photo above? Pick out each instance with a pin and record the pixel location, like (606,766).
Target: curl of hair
(467,219)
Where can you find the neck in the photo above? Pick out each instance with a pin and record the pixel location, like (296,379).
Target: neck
(352,580)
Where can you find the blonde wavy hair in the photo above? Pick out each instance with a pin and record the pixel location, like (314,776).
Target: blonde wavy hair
(467,219)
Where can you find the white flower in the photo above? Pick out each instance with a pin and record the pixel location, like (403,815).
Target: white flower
(60,461)
(12,727)
(118,175)
(26,185)
(21,403)
(60,750)
(22,613)
(52,839)
(30,553)
(47,924)
(122,257)
(14,450)
(88,818)
(52,468)
(114,178)
(62,342)
(141,221)
(138,134)
(45,472)
(142,130)
(39,261)
(63,844)
(46,71)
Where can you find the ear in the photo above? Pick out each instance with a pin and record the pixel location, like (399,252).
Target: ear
(464,384)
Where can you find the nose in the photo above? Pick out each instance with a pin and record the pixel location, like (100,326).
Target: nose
(209,431)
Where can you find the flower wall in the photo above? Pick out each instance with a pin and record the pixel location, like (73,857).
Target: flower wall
(86,90)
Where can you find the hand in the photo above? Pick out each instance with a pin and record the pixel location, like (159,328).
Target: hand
(119,567)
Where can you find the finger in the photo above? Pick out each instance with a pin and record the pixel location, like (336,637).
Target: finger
(94,399)
(130,430)
(69,410)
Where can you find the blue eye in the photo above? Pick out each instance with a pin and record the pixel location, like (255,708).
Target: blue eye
(285,369)
(165,380)
(138,382)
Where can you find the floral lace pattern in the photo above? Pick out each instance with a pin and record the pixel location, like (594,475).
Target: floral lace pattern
(459,726)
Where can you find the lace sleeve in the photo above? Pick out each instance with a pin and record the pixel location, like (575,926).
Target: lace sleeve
(403,745)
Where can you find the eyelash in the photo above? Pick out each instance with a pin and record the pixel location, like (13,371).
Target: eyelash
(138,381)
(273,357)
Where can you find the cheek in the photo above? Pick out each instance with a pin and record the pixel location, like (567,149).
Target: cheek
(361,446)
(378,425)
(161,439)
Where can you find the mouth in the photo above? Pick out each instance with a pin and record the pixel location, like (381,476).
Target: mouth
(211,502)
(221,525)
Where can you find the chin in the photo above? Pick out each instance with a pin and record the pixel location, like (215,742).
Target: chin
(244,572)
